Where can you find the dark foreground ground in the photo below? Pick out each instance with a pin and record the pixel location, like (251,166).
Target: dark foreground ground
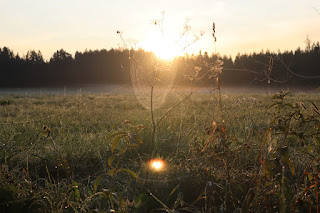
(88,150)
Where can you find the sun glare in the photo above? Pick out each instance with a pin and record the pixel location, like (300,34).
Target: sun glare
(157,165)
(162,46)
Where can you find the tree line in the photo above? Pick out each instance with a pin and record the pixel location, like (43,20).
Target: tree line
(96,67)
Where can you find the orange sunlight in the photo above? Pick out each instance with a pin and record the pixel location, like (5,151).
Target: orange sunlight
(157,165)
(164,46)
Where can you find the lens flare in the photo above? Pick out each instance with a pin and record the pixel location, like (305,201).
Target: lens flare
(157,165)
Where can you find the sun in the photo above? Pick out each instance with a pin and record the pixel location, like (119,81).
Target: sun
(164,47)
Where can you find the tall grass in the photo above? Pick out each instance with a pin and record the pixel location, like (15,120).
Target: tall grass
(259,159)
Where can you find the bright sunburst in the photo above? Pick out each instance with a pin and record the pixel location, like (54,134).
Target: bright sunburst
(162,46)
(157,165)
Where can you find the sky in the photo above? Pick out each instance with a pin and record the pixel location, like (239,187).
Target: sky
(76,25)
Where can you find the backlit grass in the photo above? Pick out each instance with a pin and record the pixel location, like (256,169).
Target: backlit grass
(87,152)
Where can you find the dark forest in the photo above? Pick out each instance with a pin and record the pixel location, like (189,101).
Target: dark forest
(96,67)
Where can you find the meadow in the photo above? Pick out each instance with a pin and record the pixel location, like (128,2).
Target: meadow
(90,153)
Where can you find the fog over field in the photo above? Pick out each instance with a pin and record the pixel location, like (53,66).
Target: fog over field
(125,89)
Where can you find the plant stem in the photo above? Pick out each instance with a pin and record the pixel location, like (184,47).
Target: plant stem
(153,124)
(153,130)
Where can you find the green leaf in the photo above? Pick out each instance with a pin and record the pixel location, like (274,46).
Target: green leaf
(112,172)
(115,142)
(77,194)
(96,183)
(276,103)
(110,160)
(173,190)
(140,200)
(178,201)
(127,122)
(200,197)
(132,173)
(289,162)
(286,158)
(116,134)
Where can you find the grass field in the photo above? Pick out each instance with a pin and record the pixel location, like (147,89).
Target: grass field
(81,152)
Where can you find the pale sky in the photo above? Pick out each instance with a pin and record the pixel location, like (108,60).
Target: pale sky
(76,25)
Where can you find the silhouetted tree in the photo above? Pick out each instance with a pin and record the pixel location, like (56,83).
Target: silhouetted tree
(61,56)
(298,68)
(34,58)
